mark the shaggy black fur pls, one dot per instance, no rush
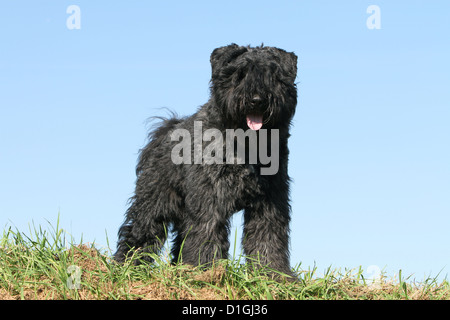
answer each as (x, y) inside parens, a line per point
(197, 200)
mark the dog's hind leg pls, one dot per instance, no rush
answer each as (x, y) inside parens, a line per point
(143, 229)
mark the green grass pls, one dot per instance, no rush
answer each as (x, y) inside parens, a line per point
(44, 265)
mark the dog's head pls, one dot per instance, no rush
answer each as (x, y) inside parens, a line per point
(254, 87)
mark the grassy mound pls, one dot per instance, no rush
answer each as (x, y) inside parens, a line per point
(42, 265)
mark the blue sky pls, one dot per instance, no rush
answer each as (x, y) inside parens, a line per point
(370, 156)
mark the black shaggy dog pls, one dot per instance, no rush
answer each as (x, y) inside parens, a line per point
(253, 90)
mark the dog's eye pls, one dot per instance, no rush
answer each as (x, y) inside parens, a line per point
(239, 75)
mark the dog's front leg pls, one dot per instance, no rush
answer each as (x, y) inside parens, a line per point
(266, 233)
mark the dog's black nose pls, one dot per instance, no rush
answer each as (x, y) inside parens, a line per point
(256, 100)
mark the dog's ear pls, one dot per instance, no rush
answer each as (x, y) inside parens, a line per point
(289, 64)
(220, 57)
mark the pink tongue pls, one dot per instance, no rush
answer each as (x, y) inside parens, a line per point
(254, 121)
